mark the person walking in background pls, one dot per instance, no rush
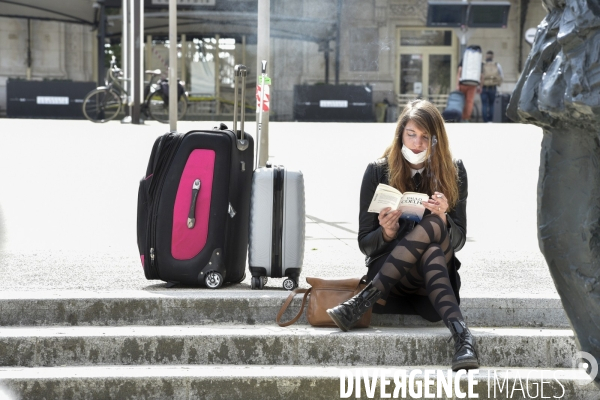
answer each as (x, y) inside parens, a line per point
(469, 77)
(492, 78)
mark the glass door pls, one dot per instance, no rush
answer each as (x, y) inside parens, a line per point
(440, 74)
(411, 74)
(426, 65)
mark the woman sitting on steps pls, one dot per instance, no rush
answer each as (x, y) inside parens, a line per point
(412, 266)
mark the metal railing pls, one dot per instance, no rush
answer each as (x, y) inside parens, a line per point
(439, 100)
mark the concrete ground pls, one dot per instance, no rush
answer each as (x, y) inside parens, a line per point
(68, 193)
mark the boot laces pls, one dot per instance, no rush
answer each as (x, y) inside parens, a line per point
(462, 337)
(354, 302)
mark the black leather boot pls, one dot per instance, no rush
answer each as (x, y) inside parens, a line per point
(465, 346)
(349, 312)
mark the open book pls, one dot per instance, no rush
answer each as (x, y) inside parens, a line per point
(409, 203)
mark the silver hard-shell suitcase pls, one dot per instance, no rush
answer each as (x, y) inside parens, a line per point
(277, 225)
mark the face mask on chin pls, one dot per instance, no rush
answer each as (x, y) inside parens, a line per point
(412, 157)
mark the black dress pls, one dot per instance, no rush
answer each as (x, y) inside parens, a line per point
(376, 250)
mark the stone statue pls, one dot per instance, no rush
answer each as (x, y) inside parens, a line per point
(559, 90)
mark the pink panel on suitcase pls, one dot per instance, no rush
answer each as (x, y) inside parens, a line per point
(187, 243)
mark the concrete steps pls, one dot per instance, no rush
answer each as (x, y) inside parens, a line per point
(203, 307)
(224, 382)
(224, 344)
(264, 345)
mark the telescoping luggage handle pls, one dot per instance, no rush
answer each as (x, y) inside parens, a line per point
(240, 71)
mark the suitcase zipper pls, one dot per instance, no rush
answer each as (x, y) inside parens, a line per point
(151, 199)
(159, 184)
(277, 234)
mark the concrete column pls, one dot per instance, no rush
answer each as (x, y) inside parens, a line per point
(244, 49)
(101, 40)
(28, 49)
(173, 65)
(338, 42)
(217, 77)
(327, 64)
(184, 58)
(140, 50)
(138, 77)
(263, 50)
(125, 60)
(131, 50)
(125, 44)
(95, 61)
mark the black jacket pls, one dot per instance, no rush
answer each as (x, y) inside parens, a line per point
(370, 235)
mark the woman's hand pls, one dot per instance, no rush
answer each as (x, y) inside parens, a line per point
(388, 220)
(438, 205)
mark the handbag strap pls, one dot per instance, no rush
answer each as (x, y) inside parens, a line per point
(287, 303)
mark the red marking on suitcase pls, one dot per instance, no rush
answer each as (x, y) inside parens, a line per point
(142, 257)
(187, 243)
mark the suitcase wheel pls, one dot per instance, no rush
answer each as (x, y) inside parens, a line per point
(290, 284)
(258, 282)
(213, 280)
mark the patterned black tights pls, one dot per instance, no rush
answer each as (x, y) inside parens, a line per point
(418, 265)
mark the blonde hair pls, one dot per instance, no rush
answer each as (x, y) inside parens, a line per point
(440, 174)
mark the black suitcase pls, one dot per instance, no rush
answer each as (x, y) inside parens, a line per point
(500, 105)
(454, 107)
(194, 204)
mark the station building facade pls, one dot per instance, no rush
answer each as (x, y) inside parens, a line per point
(383, 43)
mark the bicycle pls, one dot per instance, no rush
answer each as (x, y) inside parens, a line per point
(105, 102)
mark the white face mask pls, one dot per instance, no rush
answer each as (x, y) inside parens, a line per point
(412, 157)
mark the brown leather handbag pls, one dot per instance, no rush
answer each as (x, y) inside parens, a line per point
(324, 294)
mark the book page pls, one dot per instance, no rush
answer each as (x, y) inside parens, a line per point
(383, 186)
(385, 196)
